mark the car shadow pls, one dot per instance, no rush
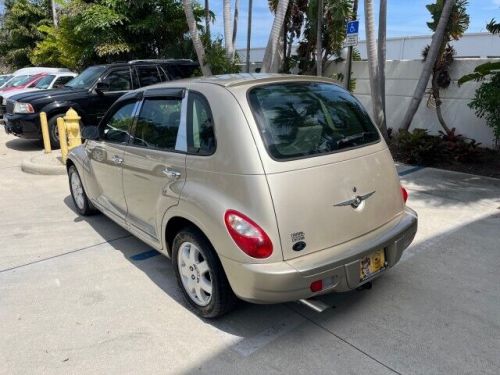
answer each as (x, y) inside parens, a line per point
(247, 320)
(24, 144)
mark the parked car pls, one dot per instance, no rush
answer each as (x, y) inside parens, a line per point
(42, 82)
(91, 94)
(270, 188)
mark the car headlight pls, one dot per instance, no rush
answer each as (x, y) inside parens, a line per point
(23, 108)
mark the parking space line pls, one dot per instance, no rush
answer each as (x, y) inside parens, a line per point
(249, 345)
(145, 255)
(343, 340)
(63, 254)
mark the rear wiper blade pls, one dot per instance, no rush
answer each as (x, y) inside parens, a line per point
(354, 137)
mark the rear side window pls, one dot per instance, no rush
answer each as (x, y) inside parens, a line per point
(148, 75)
(45, 82)
(200, 126)
(158, 124)
(304, 119)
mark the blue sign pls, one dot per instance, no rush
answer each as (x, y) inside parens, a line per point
(352, 27)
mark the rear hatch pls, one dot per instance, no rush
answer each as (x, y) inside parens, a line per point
(335, 180)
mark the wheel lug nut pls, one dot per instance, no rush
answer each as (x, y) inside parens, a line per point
(192, 277)
(191, 268)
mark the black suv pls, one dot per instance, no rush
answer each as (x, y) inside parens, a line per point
(91, 94)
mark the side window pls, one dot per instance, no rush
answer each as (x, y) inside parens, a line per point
(117, 127)
(148, 75)
(200, 126)
(158, 123)
(118, 80)
(61, 81)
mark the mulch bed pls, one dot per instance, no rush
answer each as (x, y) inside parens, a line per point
(487, 163)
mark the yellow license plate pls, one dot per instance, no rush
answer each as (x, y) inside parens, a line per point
(371, 264)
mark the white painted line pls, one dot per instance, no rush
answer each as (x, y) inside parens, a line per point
(250, 345)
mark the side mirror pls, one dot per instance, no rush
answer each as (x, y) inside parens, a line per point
(90, 132)
(102, 87)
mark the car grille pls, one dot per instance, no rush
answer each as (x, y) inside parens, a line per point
(10, 107)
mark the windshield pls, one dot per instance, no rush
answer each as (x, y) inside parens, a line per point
(18, 81)
(305, 119)
(87, 78)
(45, 82)
(4, 79)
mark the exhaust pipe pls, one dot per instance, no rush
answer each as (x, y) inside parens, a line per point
(314, 304)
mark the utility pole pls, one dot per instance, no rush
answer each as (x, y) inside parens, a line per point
(249, 34)
(54, 12)
(347, 78)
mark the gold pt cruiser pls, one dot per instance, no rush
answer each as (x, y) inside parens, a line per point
(267, 188)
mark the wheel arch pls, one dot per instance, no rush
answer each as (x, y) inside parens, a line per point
(174, 225)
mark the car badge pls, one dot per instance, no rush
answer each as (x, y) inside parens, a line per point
(356, 201)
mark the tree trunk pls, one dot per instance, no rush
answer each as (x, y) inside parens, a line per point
(228, 33)
(274, 37)
(382, 26)
(371, 49)
(235, 26)
(197, 44)
(429, 64)
(437, 98)
(319, 48)
(207, 19)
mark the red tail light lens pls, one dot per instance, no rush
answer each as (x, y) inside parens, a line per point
(404, 193)
(248, 235)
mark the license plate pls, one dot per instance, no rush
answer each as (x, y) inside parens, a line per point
(371, 264)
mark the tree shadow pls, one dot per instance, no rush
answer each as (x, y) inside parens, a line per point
(438, 187)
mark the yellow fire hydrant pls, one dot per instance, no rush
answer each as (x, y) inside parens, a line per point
(72, 121)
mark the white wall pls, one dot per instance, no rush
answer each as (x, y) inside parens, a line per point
(401, 80)
(478, 45)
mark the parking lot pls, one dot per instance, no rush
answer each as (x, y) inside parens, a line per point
(82, 296)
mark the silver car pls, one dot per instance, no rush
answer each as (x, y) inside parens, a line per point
(267, 188)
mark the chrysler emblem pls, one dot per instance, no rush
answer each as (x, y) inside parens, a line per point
(356, 201)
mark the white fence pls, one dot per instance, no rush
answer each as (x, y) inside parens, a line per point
(401, 80)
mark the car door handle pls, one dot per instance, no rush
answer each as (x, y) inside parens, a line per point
(117, 160)
(171, 173)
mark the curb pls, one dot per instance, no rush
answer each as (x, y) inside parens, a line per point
(45, 164)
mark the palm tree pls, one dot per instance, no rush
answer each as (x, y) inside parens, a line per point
(235, 26)
(228, 37)
(382, 26)
(207, 18)
(319, 37)
(432, 55)
(197, 44)
(271, 54)
(371, 49)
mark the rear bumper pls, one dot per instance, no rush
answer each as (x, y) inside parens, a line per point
(24, 126)
(338, 267)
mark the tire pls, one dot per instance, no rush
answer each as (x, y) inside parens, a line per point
(54, 132)
(200, 274)
(82, 203)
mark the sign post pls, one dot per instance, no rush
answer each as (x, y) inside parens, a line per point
(347, 76)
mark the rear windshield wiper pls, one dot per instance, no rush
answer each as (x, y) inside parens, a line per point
(355, 137)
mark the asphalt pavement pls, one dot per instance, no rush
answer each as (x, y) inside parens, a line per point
(83, 296)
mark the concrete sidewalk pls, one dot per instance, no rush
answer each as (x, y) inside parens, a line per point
(82, 296)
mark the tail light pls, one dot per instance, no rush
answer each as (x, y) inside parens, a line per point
(316, 286)
(248, 235)
(404, 193)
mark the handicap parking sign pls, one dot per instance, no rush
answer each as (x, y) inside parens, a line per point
(352, 27)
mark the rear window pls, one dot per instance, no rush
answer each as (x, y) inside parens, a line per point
(304, 119)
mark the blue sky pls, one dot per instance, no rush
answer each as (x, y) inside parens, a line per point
(404, 18)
